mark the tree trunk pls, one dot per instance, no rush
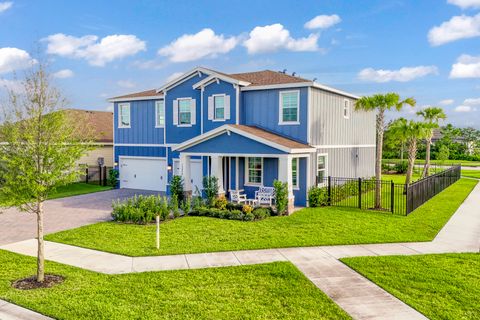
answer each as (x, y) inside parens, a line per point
(402, 150)
(412, 155)
(41, 245)
(378, 160)
(426, 168)
(157, 220)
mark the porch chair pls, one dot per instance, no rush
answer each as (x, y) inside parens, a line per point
(265, 195)
(237, 196)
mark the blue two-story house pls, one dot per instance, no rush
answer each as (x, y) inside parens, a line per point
(247, 129)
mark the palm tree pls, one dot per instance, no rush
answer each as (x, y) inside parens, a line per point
(432, 116)
(410, 131)
(381, 103)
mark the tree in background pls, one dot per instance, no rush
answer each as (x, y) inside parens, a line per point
(411, 131)
(431, 116)
(471, 137)
(381, 103)
(41, 145)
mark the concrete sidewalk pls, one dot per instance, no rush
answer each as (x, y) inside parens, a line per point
(358, 296)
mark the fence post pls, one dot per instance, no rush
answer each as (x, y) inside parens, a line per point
(86, 175)
(329, 190)
(360, 193)
(104, 176)
(392, 196)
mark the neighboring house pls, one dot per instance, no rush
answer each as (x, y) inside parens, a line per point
(247, 129)
(100, 124)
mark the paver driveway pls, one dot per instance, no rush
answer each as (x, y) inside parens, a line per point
(61, 214)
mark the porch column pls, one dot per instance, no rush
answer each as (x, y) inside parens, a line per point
(217, 171)
(285, 175)
(187, 180)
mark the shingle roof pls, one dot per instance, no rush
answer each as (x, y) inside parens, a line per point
(146, 93)
(270, 136)
(267, 77)
(100, 122)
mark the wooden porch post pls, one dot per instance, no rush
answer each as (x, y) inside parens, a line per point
(285, 175)
(217, 171)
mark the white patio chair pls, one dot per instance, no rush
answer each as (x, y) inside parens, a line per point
(265, 195)
(237, 196)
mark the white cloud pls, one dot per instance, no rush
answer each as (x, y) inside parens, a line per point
(63, 74)
(274, 37)
(97, 53)
(458, 27)
(4, 6)
(464, 4)
(13, 85)
(323, 22)
(466, 67)
(472, 102)
(173, 76)
(203, 44)
(403, 75)
(464, 109)
(446, 102)
(126, 84)
(12, 59)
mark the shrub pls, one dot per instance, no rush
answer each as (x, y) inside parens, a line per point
(139, 209)
(221, 202)
(113, 177)
(317, 197)
(401, 167)
(236, 215)
(281, 196)
(248, 216)
(174, 206)
(186, 205)
(197, 202)
(234, 206)
(261, 213)
(176, 187)
(210, 187)
(247, 209)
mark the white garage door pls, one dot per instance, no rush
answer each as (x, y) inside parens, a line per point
(143, 173)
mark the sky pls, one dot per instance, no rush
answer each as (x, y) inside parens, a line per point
(428, 49)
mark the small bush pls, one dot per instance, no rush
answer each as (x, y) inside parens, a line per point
(174, 206)
(317, 197)
(248, 216)
(281, 196)
(221, 202)
(210, 187)
(186, 206)
(113, 175)
(176, 187)
(140, 209)
(401, 167)
(247, 209)
(261, 213)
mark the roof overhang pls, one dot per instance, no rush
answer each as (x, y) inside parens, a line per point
(215, 77)
(126, 99)
(228, 128)
(184, 77)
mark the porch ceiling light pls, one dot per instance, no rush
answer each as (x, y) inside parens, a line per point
(169, 168)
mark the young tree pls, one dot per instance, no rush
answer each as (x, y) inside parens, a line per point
(381, 103)
(411, 131)
(431, 116)
(41, 145)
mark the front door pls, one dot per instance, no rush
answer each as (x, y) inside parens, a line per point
(196, 175)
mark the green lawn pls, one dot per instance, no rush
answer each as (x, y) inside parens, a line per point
(443, 286)
(464, 163)
(307, 227)
(73, 189)
(399, 178)
(471, 173)
(267, 291)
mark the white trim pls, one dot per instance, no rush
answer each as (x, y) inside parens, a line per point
(142, 157)
(330, 89)
(297, 186)
(120, 126)
(237, 105)
(185, 124)
(343, 146)
(347, 107)
(309, 113)
(278, 86)
(237, 178)
(214, 111)
(184, 77)
(156, 114)
(262, 155)
(201, 109)
(165, 126)
(316, 167)
(280, 108)
(126, 99)
(251, 184)
(215, 76)
(144, 145)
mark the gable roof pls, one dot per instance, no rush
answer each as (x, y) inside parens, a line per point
(100, 122)
(267, 77)
(260, 135)
(147, 94)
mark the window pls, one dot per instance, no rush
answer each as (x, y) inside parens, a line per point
(289, 105)
(295, 163)
(254, 170)
(184, 112)
(160, 114)
(346, 109)
(219, 107)
(124, 115)
(321, 168)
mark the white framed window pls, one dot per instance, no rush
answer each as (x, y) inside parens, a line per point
(124, 115)
(184, 112)
(289, 107)
(254, 171)
(219, 107)
(346, 109)
(160, 114)
(321, 168)
(295, 169)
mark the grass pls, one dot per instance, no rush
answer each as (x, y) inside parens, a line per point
(268, 291)
(443, 286)
(464, 163)
(73, 189)
(471, 173)
(399, 178)
(307, 227)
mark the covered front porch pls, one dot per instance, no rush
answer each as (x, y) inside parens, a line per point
(246, 158)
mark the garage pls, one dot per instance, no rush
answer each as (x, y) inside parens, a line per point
(144, 173)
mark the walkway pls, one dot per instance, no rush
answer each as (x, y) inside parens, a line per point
(358, 296)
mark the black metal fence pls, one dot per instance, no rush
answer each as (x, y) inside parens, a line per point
(397, 198)
(95, 175)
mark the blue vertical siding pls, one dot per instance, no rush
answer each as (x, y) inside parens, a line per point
(260, 108)
(139, 152)
(142, 124)
(219, 88)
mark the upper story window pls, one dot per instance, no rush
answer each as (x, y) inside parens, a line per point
(289, 107)
(346, 109)
(184, 112)
(295, 163)
(124, 115)
(254, 170)
(321, 168)
(160, 114)
(219, 107)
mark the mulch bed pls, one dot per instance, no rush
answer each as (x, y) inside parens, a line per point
(31, 282)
